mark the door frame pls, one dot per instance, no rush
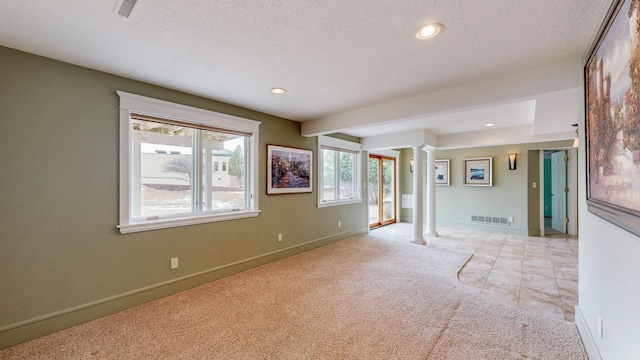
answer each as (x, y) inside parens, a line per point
(396, 156)
(559, 214)
(572, 194)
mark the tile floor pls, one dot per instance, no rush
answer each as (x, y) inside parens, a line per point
(538, 274)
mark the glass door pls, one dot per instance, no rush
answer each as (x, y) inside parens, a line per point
(382, 190)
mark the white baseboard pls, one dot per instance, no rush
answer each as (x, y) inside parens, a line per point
(587, 337)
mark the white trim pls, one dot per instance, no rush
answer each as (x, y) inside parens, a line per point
(338, 143)
(325, 141)
(587, 339)
(131, 103)
(388, 153)
(396, 155)
(165, 109)
(572, 195)
(338, 202)
(202, 219)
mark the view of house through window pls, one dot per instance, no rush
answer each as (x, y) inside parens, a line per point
(181, 165)
(179, 173)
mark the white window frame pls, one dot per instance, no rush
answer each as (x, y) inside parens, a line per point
(339, 144)
(132, 103)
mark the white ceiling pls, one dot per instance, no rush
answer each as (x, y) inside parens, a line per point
(334, 56)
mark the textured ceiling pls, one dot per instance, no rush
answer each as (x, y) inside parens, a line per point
(331, 55)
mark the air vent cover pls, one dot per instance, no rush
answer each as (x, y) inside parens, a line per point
(490, 219)
(124, 7)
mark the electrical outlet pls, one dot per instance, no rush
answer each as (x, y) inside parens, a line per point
(279, 237)
(600, 327)
(339, 223)
(174, 263)
(534, 184)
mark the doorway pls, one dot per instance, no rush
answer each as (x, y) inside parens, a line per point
(382, 190)
(558, 193)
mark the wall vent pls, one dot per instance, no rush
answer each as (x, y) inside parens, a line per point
(124, 7)
(490, 219)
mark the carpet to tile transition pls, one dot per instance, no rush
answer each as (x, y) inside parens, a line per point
(360, 298)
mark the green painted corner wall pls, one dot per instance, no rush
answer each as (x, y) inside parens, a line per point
(510, 195)
(533, 193)
(64, 262)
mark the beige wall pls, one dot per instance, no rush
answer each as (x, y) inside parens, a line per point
(63, 260)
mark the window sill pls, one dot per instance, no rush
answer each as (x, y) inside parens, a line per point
(165, 224)
(337, 203)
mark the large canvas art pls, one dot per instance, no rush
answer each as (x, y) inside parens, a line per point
(612, 80)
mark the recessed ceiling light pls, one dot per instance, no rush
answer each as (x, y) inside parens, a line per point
(489, 124)
(278, 91)
(429, 31)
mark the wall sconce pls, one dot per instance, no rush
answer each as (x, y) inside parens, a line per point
(411, 165)
(512, 161)
(576, 142)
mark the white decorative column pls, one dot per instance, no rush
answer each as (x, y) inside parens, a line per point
(431, 192)
(418, 195)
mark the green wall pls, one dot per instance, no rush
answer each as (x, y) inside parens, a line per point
(510, 196)
(533, 194)
(63, 260)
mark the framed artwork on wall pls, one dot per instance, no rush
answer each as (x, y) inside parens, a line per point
(442, 172)
(478, 171)
(613, 118)
(289, 170)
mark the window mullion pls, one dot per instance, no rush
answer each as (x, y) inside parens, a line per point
(321, 179)
(337, 174)
(196, 179)
(356, 179)
(207, 177)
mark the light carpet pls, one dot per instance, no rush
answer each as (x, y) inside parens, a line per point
(360, 298)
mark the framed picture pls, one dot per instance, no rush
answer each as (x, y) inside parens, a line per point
(442, 172)
(478, 171)
(289, 170)
(613, 118)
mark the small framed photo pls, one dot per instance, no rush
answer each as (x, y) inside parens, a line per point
(442, 172)
(289, 170)
(478, 171)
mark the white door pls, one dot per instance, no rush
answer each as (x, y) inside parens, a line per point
(558, 194)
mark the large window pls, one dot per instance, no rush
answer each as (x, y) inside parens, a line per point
(169, 158)
(339, 175)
